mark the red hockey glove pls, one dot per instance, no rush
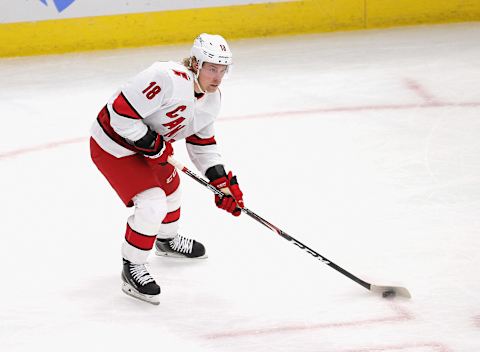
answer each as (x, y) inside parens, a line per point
(154, 148)
(233, 200)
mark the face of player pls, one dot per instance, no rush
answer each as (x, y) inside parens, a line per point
(211, 76)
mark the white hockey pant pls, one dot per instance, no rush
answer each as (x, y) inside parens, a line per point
(155, 215)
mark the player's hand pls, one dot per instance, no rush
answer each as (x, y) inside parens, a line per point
(233, 200)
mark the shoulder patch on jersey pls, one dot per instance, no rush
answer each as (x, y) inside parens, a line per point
(182, 74)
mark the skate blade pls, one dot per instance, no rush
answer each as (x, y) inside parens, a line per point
(129, 290)
(176, 255)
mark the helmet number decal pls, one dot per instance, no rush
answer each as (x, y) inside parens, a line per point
(223, 47)
(152, 90)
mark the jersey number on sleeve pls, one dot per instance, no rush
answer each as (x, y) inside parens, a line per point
(152, 90)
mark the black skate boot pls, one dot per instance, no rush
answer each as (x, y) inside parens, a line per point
(138, 283)
(179, 247)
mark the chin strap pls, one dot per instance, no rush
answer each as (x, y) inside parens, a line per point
(195, 75)
(198, 84)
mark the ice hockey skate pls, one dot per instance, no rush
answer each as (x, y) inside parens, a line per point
(138, 283)
(180, 247)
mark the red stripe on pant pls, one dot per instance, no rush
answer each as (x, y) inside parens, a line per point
(139, 240)
(172, 217)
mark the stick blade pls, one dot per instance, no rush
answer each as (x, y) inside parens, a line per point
(390, 291)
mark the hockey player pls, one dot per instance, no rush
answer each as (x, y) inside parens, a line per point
(132, 138)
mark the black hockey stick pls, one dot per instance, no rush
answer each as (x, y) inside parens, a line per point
(385, 291)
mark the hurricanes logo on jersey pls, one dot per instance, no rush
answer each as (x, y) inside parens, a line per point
(59, 4)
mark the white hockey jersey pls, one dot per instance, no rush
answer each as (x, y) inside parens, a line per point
(161, 97)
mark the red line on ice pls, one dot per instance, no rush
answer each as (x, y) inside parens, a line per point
(421, 92)
(476, 321)
(401, 316)
(51, 145)
(16, 152)
(349, 109)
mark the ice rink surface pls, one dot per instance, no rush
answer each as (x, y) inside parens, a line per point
(363, 145)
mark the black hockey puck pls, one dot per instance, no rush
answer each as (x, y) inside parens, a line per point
(388, 294)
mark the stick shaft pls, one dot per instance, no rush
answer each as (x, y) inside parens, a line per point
(272, 227)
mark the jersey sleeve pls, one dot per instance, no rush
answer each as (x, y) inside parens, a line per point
(203, 150)
(138, 98)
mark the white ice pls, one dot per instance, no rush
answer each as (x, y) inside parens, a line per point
(363, 145)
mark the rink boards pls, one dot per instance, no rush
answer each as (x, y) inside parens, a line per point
(48, 26)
